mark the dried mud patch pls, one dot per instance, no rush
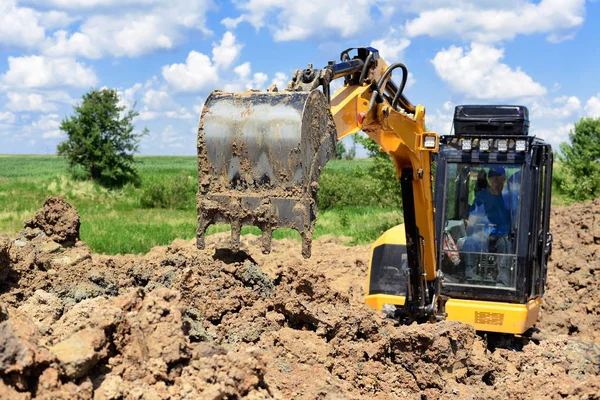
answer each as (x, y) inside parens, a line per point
(179, 323)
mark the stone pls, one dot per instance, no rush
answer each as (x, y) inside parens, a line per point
(43, 308)
(49, 247)
(80, 352)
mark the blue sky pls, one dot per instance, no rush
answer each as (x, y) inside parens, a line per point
(166, 56)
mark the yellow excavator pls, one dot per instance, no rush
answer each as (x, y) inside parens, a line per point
(475, 240)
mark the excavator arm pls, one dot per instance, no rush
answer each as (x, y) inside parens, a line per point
(260, 155)
(399, 129)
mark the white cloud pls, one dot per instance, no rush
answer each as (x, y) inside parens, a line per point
(592, 107)
(300, 20)
(46, 122)
(55, 19)
(136, 29)
(126, 36)
(479, 74)
(565, 107)
(127, 96)
(244, 81)
(157, 99)
(40, 71)
(243, 70)
(28, 102)
(410, 80)
(7, 117)
(555, 135)
(552, 119)
(78, 44)
(258, 81)
(226, 52)
(196, 74)
(55, 134)
(156, 102)
(88, 4)
(494, 21)
(19, 26)
(171, 139)
(198, 106)
(391, 46)
(47, 126)
(440, 121)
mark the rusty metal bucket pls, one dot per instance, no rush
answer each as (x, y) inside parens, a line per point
(259, 159)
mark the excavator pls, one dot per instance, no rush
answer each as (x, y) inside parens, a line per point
(475, 241)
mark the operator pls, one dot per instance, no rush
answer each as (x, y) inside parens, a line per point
(493, 204)
(489, 225)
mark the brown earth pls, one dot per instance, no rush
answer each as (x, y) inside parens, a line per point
(179, 323)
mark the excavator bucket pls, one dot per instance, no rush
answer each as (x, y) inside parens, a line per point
(259, 159)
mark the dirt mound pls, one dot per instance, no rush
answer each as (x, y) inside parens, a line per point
(572, 301)
(57, 219)
(178, 323)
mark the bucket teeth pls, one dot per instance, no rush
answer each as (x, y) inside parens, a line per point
(267, 234)
(259, 158)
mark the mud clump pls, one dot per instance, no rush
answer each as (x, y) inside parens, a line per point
(58, 220)
(183, 323)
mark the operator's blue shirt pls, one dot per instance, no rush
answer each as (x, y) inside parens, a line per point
(495, 210)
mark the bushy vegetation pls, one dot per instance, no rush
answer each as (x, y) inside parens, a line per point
(382, 172)
(579, 174)
(178, 193)
(356, 184)
(341, 152)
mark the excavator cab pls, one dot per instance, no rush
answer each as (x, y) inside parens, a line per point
(492, 197)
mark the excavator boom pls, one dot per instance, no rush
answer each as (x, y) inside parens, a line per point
(260, 156)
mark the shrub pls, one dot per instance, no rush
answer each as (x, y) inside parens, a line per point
(580, 175)
(177, 192)
(355, 186)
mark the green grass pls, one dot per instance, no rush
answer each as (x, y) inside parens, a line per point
(113, 221)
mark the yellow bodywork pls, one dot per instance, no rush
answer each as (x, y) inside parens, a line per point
(494, 316)
(395, 235)
(486, 316)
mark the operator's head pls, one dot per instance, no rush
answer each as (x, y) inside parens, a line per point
(497, 177)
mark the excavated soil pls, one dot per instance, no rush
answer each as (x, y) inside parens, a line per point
(179, 323)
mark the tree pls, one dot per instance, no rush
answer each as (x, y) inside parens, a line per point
(581, 161)
(373, 149)
(101, 138)
(350, 154)
(340, 149)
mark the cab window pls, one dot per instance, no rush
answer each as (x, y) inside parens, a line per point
(481, 223)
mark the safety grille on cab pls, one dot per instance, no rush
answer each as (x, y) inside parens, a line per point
(489, 318)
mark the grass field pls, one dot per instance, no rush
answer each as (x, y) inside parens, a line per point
(114, 221)
(121, 221)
